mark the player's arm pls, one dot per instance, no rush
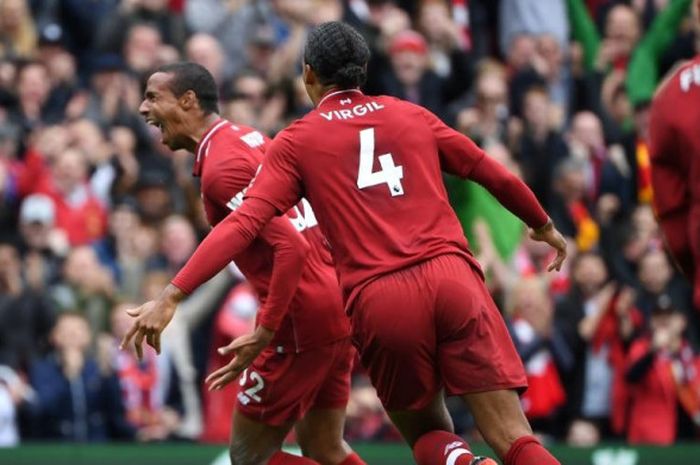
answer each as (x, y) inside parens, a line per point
(278, 189)
(230, 237)
(274, 190)
(290, 250)
(460, 156)
(289, 247)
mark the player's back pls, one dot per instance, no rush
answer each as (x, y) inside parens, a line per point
(372, 171)
(228, 160)
(675, 136)
(675, 156)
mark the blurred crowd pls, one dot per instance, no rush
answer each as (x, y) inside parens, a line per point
(97, 215)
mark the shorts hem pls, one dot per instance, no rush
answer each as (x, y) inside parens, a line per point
(518, 387)
(331, 405)
(256, 417)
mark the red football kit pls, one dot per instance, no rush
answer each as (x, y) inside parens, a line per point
(372, 168)
(227, 159)
(674, 135)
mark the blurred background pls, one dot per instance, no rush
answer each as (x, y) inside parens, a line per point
(96, 215)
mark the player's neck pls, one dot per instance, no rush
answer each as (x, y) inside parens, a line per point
(321, 91)
(328, 91)
(199, 129)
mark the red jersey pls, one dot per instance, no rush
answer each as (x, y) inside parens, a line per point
(674, 136)
(372, 169)
(227, 159)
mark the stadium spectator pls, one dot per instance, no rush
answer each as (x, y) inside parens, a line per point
(570, 207)
(79, 213)
(544, 350)
(658, 281)
(14, 392)
(485, 118)
(541, 146)
(251, 101)
(41, 244)
(607, 188)
(18, 37)
(177, 242)
(115, 29)
(75, 401)
(149, 387)
(410, 77)
(662, 370)
(33, 88)
(87, 288)
(532, 17)
(26, 317)
(579, 315)
(205, 50)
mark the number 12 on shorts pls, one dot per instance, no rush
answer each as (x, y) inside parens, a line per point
(390, 174)
(250, 393)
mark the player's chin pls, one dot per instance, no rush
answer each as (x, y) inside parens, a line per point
(167, 141)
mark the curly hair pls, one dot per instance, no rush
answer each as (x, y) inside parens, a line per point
(338, 54)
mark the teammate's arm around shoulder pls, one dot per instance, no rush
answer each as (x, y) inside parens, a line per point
(459, 155)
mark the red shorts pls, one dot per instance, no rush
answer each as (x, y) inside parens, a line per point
(433, 326)
(281, 387)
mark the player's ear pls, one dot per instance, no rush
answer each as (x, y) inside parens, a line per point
(188, 100)
(308, 75)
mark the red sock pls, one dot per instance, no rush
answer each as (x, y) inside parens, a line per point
(353, 459)
(441, 448)
(527, 450)
(283, 458)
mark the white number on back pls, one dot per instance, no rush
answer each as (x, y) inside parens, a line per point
(390, 174)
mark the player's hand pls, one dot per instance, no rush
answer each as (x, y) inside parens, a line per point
(549, 234)
(245, 348)
(151, 319)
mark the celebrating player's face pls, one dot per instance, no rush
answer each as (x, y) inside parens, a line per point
(161, 109)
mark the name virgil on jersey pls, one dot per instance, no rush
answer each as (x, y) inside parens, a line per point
(350, 113)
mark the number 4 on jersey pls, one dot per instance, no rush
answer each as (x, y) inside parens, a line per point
(390, 174)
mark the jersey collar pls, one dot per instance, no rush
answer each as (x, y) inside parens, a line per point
(203, 145)
(332, 94)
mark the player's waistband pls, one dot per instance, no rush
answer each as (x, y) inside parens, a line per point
(352, 295)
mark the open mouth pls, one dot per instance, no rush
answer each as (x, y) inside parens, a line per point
(155, 123)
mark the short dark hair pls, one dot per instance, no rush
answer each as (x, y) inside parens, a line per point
(194, 77)
(338, 54)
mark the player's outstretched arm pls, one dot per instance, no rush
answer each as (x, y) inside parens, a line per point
(290, 250)
(549, 234)
(460, 156)
(224, 242)
(514, 194)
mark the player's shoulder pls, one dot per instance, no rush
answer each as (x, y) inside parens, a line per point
(297, 130)
(233, 146)
(240, 134)
(682, 78)
(407, 111)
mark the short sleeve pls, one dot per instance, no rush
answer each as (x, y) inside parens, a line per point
(458, 153)
(278, 181)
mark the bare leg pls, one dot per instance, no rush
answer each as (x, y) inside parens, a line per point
(320, 435)
(499, 417)
(412, 424)
(252, 442)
